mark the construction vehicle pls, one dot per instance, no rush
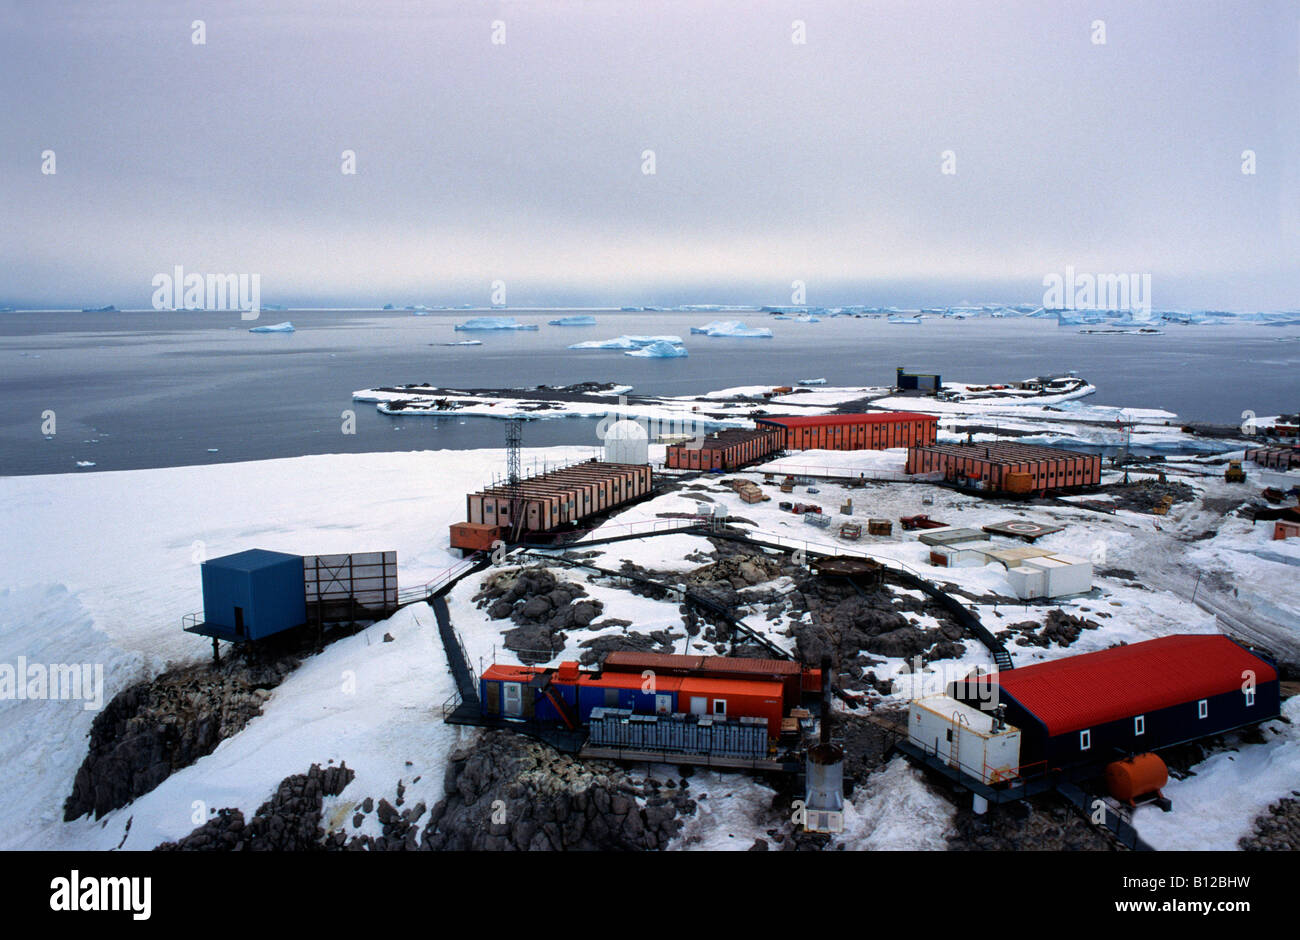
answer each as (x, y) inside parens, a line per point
(1234, 473)
(1162, 508)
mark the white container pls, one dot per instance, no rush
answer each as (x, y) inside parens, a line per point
(1050, 576)
(964, 737)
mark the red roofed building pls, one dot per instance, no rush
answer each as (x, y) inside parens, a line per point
(1130, 699)
(877, 430)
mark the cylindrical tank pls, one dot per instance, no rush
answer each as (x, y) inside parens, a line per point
(627, 442)
(824, 790)
(1135, 777)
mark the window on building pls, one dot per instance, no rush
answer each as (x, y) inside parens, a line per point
(1140, 725)
(1250, 697)
(719, 706)
(1085, 740)
(1203, 708)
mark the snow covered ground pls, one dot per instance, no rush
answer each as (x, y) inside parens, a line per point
(100, 567)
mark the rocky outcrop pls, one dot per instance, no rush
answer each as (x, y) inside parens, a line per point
(288, 822)
(853, 628)
(1040, 824)
(657, 641)
(1278, 830)
(1059, 628)
(506, 792)
(154, 728)
(542, 606)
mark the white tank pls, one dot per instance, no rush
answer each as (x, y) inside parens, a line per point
(627, 442)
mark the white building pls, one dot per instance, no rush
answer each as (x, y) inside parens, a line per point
(963, 737)
(1050, 576)
(627, 442)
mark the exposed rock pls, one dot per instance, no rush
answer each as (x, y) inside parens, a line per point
(288, 822)
(154, 728)
(541, 605)
(506, 792)
(1277, 830)
(1037, 824)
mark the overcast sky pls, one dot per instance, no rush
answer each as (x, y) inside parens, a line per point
(775, 161)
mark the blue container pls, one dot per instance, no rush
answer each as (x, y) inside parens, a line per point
(253, 594)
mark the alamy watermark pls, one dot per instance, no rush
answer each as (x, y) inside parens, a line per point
(194, 291)
(1084, 291)
(82, 682)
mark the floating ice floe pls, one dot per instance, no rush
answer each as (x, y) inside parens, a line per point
(627, 342)
(658, 350)
(495, 323)
(573, 321)
(466, 342)
(811, 382)
(85, 463)
(898, 319)
(732, 328)
(285, 327)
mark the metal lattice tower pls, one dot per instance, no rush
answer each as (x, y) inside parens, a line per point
(514, 442)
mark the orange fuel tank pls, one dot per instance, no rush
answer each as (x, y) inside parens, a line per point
(1133, 778)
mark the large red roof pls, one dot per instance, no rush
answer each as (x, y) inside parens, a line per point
(1092, 689)
(874, 417)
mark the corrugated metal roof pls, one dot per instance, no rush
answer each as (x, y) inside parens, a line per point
(1092, 689)
(875, 417)
(773, 667)
(626, 660)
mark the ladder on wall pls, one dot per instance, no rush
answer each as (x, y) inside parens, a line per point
(954, 752)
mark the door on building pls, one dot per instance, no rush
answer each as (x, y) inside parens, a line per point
(239, 621)
(512, 692)
(699, 705)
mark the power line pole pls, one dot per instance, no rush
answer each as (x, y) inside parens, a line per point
(514, 443)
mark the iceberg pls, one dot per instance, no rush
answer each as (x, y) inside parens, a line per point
(495, 323)
(658, 350)
(897, 319)
(285, 327)
(573, 321)
(466, 342)
(811, 382)
(627, 342)
(732, 328)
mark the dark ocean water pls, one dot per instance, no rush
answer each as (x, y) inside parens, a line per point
(155, 389)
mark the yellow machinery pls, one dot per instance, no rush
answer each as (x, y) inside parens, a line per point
(1234, 473)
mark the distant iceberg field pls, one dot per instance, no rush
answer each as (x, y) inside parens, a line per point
(732, 328)
(495, 323)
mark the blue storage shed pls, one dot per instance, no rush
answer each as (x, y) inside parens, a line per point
(253, 594)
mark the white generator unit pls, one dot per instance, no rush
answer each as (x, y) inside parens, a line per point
(1050, 576)
(968, 739)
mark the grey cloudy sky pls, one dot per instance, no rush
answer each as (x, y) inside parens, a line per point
(775, 161)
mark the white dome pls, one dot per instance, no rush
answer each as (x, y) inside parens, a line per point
(626, 430)
(627, 442)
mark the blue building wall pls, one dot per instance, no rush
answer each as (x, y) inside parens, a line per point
(268, 587)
